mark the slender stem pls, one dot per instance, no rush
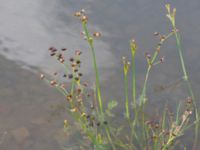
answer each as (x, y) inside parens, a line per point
(143, 95)
(134, 91)
(134, 82)
(90, 41)
(186, 79)
(133, 48)
(185, 76)
(109, 138)
(126, 96)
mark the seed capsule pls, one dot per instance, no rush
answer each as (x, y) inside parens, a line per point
(63, 49)
(76, 78)
(77, 14)
(73, 65)
(147, 55)
(85, 84)
(82, 11)
(80, 74)
(59, 56)
(53, 82)
(78, 52)
(82, 33)
(83, 114)
(189, 100)
(162, 59)
(78, 91)
(74, 110)
(69, 97)
(156, 126)
(97, 34)
(51, 48)
(71, 59)
(52, 54)
(61, 60)
(98, 123)
(105, 122)
(75, 70)
(70, 76)
(78, 62)
(84, 18)
(42, 76)
(156, 34)
(66, 123)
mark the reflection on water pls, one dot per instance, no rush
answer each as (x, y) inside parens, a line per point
(29, 27)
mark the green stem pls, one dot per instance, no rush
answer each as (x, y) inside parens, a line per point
(143, 95)
(134, 88)
(126, 96)
(185, 76)
(90, 41)
(186, 79)
(109, 138)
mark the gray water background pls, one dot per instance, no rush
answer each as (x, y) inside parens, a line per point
(33, 111)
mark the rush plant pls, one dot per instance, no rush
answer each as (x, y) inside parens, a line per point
(137, 130)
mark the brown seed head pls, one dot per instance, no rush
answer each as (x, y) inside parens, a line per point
(73, 65)
(189, 100)
(74, 109)
(83, 114)
(63, 49)
(85, 84)
(82, 11)
(82, 33)
(162, 59)
(71, 59)
(84, 18)
(80, 74)
(75, 70)
(70, 76)
(77, 14)
(42, 76)
(156, 125)
(147, 55)
(61, 60)
(156, 34)
(78, 62)
(162, 38)
(78, 52)
(78, 90)
(52, 54)
(76, 78)
(51, 48)
(53, 82)
(124, 60)
(69, 97)
(97, 34)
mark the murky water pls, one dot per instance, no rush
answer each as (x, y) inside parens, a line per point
(28, 28)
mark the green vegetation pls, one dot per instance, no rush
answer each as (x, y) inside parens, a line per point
(137, 131)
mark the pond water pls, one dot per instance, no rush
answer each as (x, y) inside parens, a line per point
(31, 112)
